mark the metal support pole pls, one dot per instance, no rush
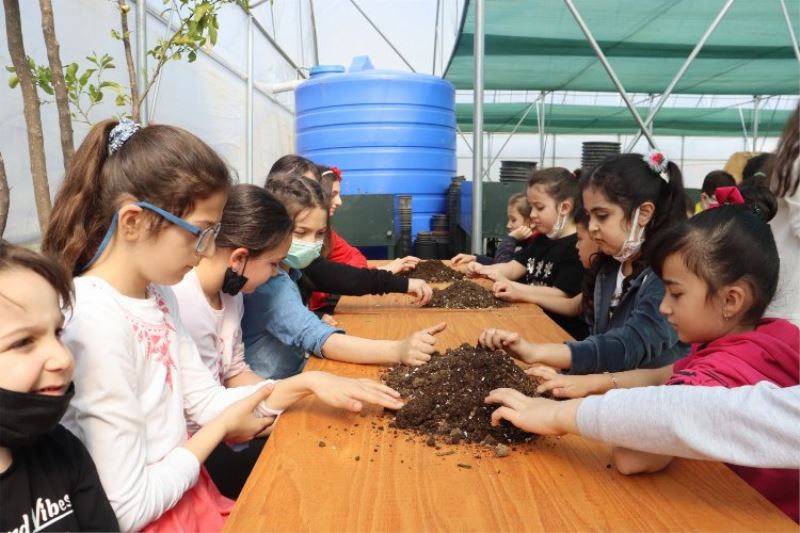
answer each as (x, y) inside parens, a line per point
(679, 75)
(314, 29)
(477, 135)
(249, 144)
(756, 102)
(540, 125)
(436, 36)
(792, 36)
(141, 54)
(611, 74)
(396, 51)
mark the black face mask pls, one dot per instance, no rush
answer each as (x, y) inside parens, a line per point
(25, 416)
(233, 281)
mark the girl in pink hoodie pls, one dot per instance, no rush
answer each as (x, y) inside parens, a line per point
(720, 271)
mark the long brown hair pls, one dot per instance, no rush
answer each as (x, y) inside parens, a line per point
(164, 165)
(785, 176)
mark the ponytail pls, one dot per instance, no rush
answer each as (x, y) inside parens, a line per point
(164, 165)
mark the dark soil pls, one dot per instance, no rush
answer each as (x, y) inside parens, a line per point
(433, 271)
(464, 294)
(445, 396)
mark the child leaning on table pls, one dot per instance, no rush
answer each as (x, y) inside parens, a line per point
(720, 270)
(560, 304)
(630, 199)
(279, 331)
(518, 211)
(48, 481)
(254, 238)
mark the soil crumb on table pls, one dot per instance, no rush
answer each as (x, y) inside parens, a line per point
(464, 294)
(445, 396)
(433, 271)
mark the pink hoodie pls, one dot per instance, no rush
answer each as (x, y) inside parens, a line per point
(771, 353)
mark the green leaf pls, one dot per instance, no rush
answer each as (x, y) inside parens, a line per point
(46, 87)
(70, 71)
(11, 69)
(13, 81)
(192, 56)
(212, 34)
(116, 35)
(84, 79)
(200, 12)
(120, 100)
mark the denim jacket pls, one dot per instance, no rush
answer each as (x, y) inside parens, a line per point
(278, 330)
(636, 336)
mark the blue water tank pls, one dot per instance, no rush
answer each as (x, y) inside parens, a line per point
(389, 132)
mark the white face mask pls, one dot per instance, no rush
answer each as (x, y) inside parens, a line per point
(634, 242)
(558, 227)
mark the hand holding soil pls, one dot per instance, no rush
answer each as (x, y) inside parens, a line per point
(417, 349)
(422, 291)
(508, 341)
(535, 415)
(401, 264)
(506, 290)
(564, 386)
(462, 259)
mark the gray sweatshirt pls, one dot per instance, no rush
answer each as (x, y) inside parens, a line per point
(750, 426)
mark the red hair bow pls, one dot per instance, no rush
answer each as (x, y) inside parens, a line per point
(729, 195)
(337, 173)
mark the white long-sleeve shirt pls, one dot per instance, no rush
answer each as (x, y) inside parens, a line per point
(755, 426)
(786, 230)
(138, 377)
(216, 332)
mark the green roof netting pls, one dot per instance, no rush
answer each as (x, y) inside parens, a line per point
(583, 119)
(537, 45)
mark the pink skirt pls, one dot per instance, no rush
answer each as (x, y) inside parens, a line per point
(202, 508)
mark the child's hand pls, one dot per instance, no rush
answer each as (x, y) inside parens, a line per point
(535, 415)
(417, 349)
(522, 233)
(508, 341)
(328, 319)
(506, 290)
(462, 259)
(401, 264)
(350, 393)
(475, 269)
(421, 291)
(563, 386)
(240, 422)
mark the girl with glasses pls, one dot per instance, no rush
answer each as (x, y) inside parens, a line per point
(137, 210)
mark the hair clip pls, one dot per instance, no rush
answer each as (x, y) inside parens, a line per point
(658, 163)
(121, 133)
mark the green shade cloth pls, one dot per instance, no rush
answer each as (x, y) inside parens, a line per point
(537, 45)
(586, 119)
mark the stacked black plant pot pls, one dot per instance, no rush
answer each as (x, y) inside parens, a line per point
(404, 243)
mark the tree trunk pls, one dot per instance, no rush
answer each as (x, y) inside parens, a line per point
(59, 86)
(5, 197)
(33, 118)
(124, 8)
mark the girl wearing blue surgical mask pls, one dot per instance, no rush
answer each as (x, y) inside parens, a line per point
(630, 198)
(279, 331)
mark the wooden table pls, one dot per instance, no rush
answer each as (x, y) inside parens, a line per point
(367, 479)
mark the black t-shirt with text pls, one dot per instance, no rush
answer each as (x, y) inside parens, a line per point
(53, 486)
(555, 263)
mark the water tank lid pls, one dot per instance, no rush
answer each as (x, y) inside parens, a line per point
(360, 64)
(321, 70)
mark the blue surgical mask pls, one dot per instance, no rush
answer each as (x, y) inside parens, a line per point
(302, 253)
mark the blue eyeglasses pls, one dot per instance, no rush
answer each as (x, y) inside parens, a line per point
(204, 236)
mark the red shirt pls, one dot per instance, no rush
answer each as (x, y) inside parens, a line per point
(341, 252)
(771, 352)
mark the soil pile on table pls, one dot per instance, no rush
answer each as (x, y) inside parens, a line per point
(433, 272)
(445, 396)
(464, 294)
